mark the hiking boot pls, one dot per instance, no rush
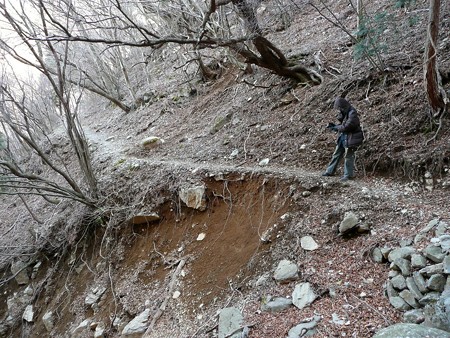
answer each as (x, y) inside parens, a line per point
(346, 178)
(327, 174)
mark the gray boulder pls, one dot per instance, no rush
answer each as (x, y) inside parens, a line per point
(286, 271)
(137, 326)
(349, 222)
(230, 323)
(411, 331)
(303, 295)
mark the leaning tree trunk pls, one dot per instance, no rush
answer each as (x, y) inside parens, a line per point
(433, 86)
(270, 56)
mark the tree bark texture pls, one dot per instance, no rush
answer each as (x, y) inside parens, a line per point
(433, 87)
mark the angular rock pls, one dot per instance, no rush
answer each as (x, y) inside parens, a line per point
(19, 269)
(441, 229)
(404, 252)
(421, 283)
(137, 325)
(437, 314)
(399, 303)
(403, 265)
(431, 297)
(393, 273)
(230, 322)
(399, 282)
(445, 243)
(411, 285)
(151, 141)
(94, 296)
(194, 197)
(349, 222)
(277, 304)
(434, 253)
(415, 316)
(305, 329)
(28, 314)
(436, 282)
(408, 297)
(446, 263)
(308, 243)
(377, 255)
(80, 328)
(286, 271)
(390, 291)
(303, 295)
(418, 261)
(430, 226)
(220, 121)
(48, 320)
(432, 269)
(403, 330)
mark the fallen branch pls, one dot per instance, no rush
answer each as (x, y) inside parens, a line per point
(163, 305)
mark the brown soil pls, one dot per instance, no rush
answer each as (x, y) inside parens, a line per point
(271, 118)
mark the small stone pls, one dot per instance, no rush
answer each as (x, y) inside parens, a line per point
(230, 321)
(434, 253)
(80, 328)
(431, 297)
(399, 282)
(399, 303)
(19, 269)
(418, 261)
(420, 282)
(436, 282)
(390, 291)
(405, 242)
(411, 285)
(408, 297)
(308, 243)
(306, 193)
(377, 256)
(176, 294)
(415, 316)
(151, 141)
(264, 162)
(303, 295)
(276, 305)
(28, 314)
(349, 222)
(441, 229)
(48, 321)
(393, 273)
(304, 329)
(446, 264)
(445, 243)
(201, 236)
(432, 269)
(404, 265)
(404, 252)
(286, 271)
(137, 325)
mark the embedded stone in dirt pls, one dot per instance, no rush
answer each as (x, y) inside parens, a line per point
(286, 271)
(412, 331)
(308, 243)
(144, 218)
(194, 197)
(349, 222)
(230, 323)
(303, 295)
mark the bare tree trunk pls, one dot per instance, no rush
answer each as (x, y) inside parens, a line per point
(433, 86)
(270, 56)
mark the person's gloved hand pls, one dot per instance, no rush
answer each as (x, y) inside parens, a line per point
(331, 126)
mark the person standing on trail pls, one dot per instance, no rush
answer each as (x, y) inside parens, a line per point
(350, 136)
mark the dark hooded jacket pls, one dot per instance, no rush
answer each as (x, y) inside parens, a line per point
(350, 128)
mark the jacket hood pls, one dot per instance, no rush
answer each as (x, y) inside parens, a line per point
(342, 104)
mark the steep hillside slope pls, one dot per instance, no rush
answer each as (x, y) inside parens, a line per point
(257, 144)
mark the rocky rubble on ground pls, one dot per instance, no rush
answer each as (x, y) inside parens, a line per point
(419, 276)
